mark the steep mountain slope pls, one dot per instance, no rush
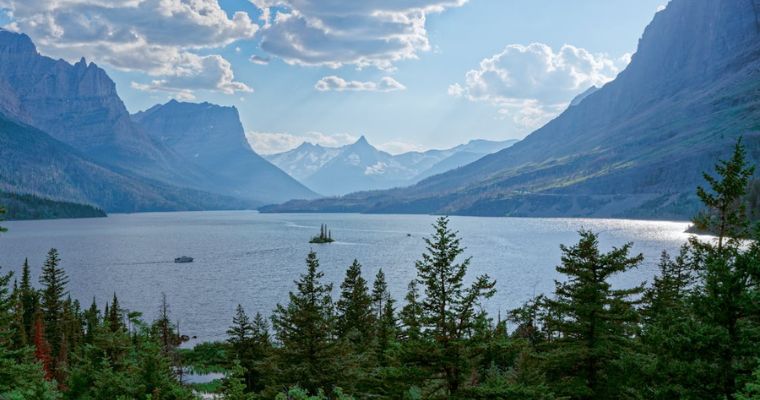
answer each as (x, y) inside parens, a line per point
(212, 138)
(634, 148)
(78, 105)
(360, 166)
(33, 162)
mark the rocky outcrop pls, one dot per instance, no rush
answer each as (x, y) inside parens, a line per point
(211, 138)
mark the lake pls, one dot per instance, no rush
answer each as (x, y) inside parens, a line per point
(252, 259)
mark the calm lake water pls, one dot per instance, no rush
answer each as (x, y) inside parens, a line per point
(252, 259)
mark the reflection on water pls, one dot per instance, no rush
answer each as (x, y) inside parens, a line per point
(252, 259)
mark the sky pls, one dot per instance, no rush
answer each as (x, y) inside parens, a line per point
(407, 74)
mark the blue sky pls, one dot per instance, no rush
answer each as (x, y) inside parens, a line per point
(408, 74)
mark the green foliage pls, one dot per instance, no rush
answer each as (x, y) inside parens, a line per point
(591, 323)
(447, 312)
(28, 206)
(305, 329)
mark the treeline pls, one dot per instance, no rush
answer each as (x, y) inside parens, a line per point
(693, 333)
(28, 206)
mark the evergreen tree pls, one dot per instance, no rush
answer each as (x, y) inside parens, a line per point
(593, 321)
(729, 271)
(385, 330)
(306, 330)
(53, 280)
(448, 308)
(115, 315)
(28, 297)
(725, 212)
(411, 313)
(92, 321)
(355, 318)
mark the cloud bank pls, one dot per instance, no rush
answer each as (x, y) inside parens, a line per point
(532, 84)
(334, 33)
(338, 84)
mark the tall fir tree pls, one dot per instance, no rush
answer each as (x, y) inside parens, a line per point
(448, 307)
(729, 272)
(593, 321)
(29, 298)
(53, 280)
(306, 330)
(354, 312)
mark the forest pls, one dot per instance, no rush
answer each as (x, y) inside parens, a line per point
(692, 333)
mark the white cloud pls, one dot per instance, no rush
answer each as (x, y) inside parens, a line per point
(334, 33)
(158, 37)
(531, 84)
(200, 73)
(338, 84)
(270, 142)
(259, 60)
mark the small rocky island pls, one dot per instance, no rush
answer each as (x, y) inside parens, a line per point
(325, 236)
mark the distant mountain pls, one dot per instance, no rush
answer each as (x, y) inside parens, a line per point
(634, 148)
(212, 138)
(32, 162)
(361, 166)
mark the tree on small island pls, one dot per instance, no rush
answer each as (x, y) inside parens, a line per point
(325, 236)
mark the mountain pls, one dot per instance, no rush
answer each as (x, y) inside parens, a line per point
(32, 162)
(361, 166)
(304, 160)
(634, 148)
(212, 138)
(78, 105)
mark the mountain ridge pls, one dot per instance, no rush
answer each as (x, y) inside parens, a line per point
(634, 148)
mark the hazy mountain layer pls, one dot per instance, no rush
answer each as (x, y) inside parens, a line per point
(361, 166)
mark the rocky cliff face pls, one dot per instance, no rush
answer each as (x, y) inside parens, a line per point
(76, 104)
(634, 148)
(212, 138)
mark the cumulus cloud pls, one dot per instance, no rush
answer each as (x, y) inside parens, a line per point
(158, 37)
(334, 33)
(533, 83)
(338, 84)
(271, 142)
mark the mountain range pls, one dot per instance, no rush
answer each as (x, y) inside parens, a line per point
(67, 135)
(361, 166)
(635, 147)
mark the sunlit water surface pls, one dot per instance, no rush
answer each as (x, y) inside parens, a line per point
(252, 259)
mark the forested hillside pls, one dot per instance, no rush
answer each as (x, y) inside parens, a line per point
(27, 206)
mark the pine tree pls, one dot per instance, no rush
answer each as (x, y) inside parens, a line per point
(29, 299)
(354, 319)
(41, 346)
(729, 271)
(448, 308)
(411, 313)
(2, 213)
(115, 316)
(92, 322)
(306, 329)
(386, 330)
(725, 212)
(53, 280)
(593, 321)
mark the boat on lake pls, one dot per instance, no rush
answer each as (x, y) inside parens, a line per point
(183, 259)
